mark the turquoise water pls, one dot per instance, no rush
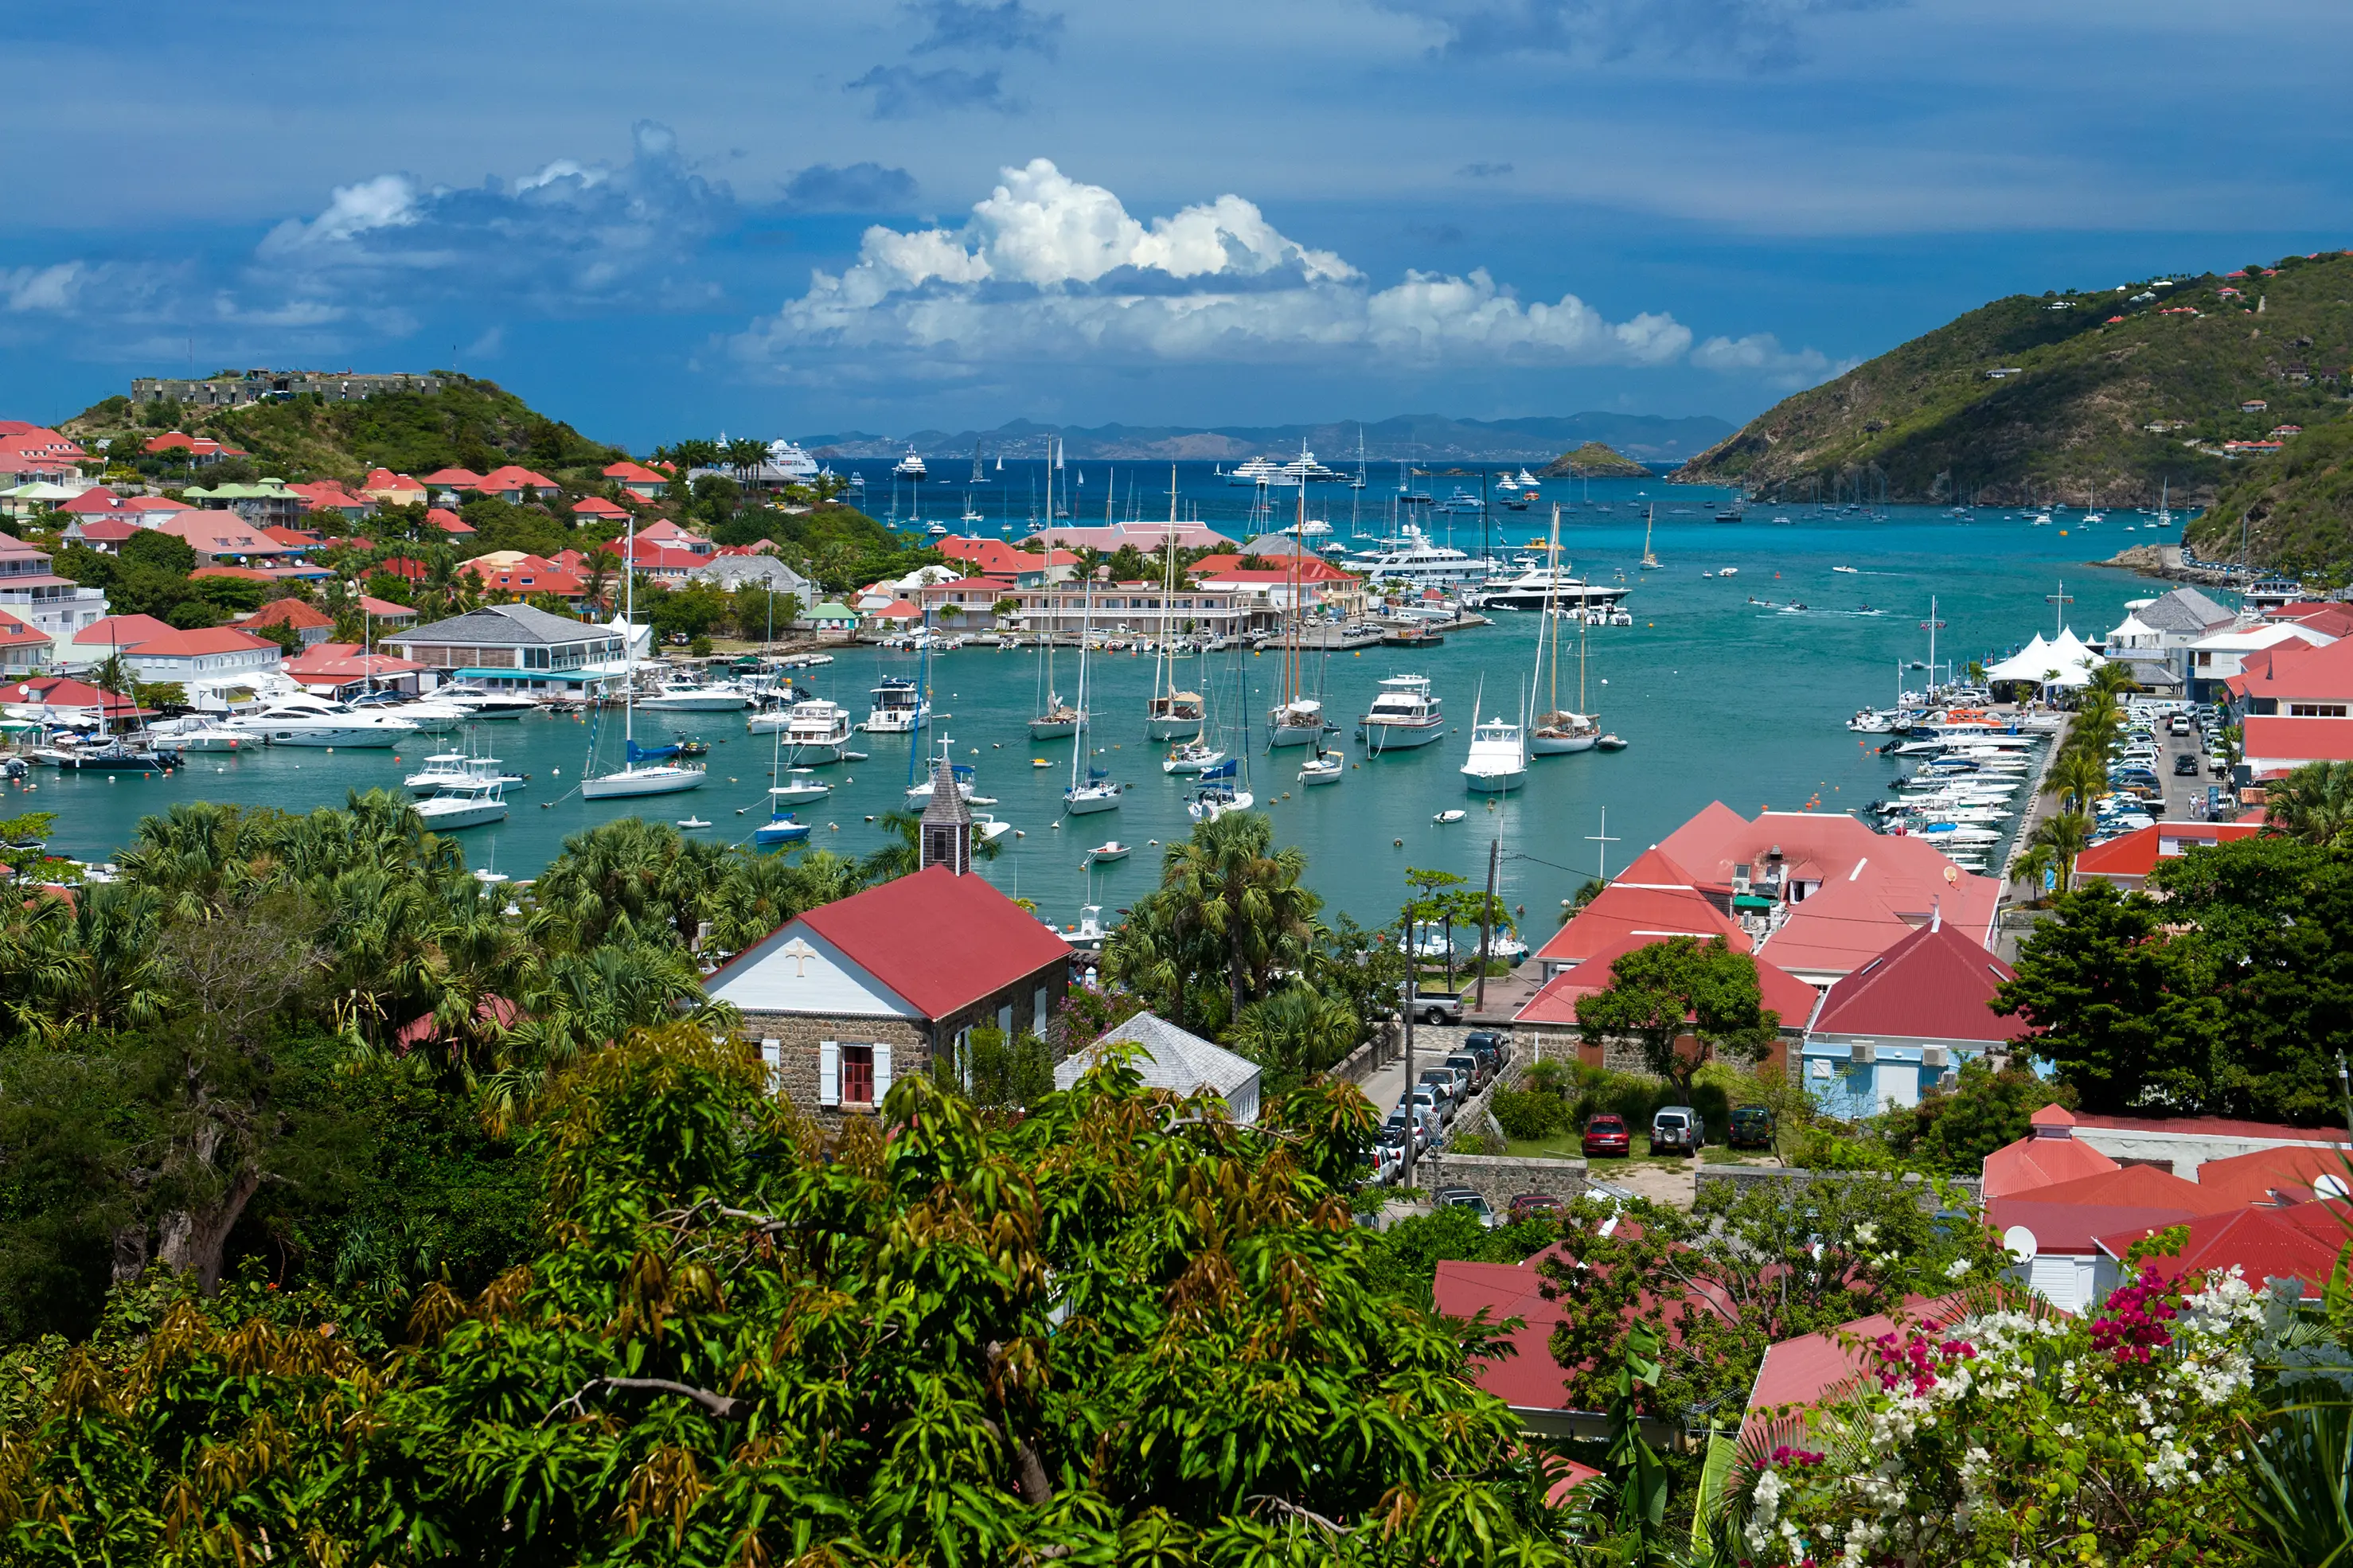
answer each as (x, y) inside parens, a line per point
(1718, 698)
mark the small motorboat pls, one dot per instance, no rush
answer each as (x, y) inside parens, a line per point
(780, 829)
(1193, 757)
(804, 786)
(1727, 570)
(1114, 850)
(1321, 771)
(1849, 571)
(691, 823)
(1452, 815)
(1610, 744)
(1040, 763)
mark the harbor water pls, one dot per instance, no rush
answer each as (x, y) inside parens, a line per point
(1723, 687)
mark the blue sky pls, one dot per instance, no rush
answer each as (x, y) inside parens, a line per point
(657, 221)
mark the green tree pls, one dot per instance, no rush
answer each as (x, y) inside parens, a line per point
(1229, 902)
(2120, 1011)
(1950, 1132)
(2313, 803)
(1294, 1032)
(1077, 1335)
(164, 552)
(1663, 991)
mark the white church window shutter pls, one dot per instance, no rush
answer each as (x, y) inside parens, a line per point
(772, 1057)
(881, 1071)
(829, 1072)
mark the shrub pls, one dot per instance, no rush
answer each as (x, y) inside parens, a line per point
(1528, 1114)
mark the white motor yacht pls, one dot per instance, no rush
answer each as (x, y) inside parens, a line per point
(698, 699)
(899, 709)
(1415, 560)
(202, 732)
(476, 703)
(1404, 714)
(432, 715)
(815, 730)
(1194, 757)
(446, 770)
(314, 721)
(464, 805)
(1541, 588)
(800, 785)
(1499, 757)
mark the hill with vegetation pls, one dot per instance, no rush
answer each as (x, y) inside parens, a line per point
(1594, 460)
(2079, 396)
(2292, 511)
(468, 423)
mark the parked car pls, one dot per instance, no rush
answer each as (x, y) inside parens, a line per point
(1465, 1198)
(1677, 1129)
(1388, 1157)
(1533, 1205)
(1437, 1007)
(1605, 1134)
(2185, 766)
(1476, 1071)
(1456, 1079)
(1489, 1040)
(1425, 1130)
(1434, 1099)
(2178, 724)
(1751, 1127)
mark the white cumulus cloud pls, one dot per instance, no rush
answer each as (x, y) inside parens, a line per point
(1049, 265)
(1760, 355)
(48, 289)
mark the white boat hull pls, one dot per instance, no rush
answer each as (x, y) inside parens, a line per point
(715, 702)
(1312, 776)
(470, 814)
(1400, 737)
(1491, 784)
(1085, 803)
(1210, 810)
(1295, 734)
(1052, 729)
(356, 738)
(212, 740)
(1560, 746)
(663, 779)
(894, 723)
(1192, 765)
(1172, 729)
(810, 753)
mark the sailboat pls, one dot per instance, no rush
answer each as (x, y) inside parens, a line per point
(1650, 517)
(1170, 714)
(782, 827)
(1055, 717)
(1093, 790)
(1298, 719)
(979, 475)
(1224, 786)
(644, 773)
(1558, 730)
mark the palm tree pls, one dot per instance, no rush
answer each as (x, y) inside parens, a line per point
(900, 855)
(1294, 1032)
(2078, 778)
(2314, 803)
(1243, 899)
(743, 454)
(2058, 841)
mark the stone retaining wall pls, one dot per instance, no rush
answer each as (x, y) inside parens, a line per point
(1741, 1178)
(1500, 1178)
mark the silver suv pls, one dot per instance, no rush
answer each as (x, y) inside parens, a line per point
(1677, 1129)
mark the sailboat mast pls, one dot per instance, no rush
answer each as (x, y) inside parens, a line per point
(1083, 734)
(629, 631)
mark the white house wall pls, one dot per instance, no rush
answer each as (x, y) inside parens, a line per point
(825, 981)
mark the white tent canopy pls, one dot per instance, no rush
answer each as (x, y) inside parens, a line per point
(2065, 662)
(2032, 662)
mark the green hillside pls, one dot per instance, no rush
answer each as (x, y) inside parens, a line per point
(2293, 511)
(1596, 460)
(470, 424)
(1930, 420)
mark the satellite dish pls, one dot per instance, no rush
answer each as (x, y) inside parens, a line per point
(2020, 1243)
(2331, 1188)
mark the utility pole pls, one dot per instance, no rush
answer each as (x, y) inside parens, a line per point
(1405, 1013)
(1487, 918)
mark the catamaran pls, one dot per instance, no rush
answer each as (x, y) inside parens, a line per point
(641, 773)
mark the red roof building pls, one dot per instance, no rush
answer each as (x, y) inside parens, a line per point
(848, 994)
(597, 509)
(57, 699)
(197, 448)
(996, 558)
(312, 626)
(2270, 745)
(222, 537)
(663, 562)
(204, 654)
(2047, 1156)
(512, 572)
(106, 535)
(453, 478)
(448, 522)
(1553, 1008)
(663, 532)
(2127, 861)
(2299, 1243)
(112, 632)
(2061, 1225)
(513, 483)
(637, 479)
(2291, 1173)
(392, 490)
(335, 667)
(1651, 899)
(1813, 1370)
(22, 647)
(1907, 1021)
(386, 613)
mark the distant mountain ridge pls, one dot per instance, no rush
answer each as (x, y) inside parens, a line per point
(1424, 438)
(2109, 397)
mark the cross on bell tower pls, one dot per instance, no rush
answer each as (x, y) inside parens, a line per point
(944, 837)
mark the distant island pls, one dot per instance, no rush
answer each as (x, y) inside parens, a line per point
(2175, 387)
(1598, 461)
(1407, 437)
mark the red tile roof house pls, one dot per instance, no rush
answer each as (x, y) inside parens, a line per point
(516, 485)
(663, 562)
(451, 480)
(209, 654)
(2299, 1243)
(312, 625)
(1907, 1021)
(637, 479)
(393, 489)
(222, 538)
(22, 647)
(1814, 1370)
(2066, 1144)
(56, 699)
(335, 668)
(326, 498)
(663, 532)
(2064, 1264)
(1549, 1017)
(2127, 862)
(1824, 894)
(195, 449)
(448, 522)
(512, 572)
(1303, 581)
(847, 996)
(597, 509)
(387, 614)
(104, 534)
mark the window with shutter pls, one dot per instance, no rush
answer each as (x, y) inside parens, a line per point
(829, 1073)
(882, 1073)
(772, 1057)
(1038, 1011)
(856, 1075)
(1005, 1020)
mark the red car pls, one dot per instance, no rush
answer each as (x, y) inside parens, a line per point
(1533, 1205)
(1607, 1134)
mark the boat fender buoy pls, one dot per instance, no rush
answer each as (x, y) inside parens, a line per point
(1400, 843)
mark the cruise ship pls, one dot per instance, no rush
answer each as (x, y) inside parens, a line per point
(1534, 588)
(1414, 558)
(909, 467)
(787, 459)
